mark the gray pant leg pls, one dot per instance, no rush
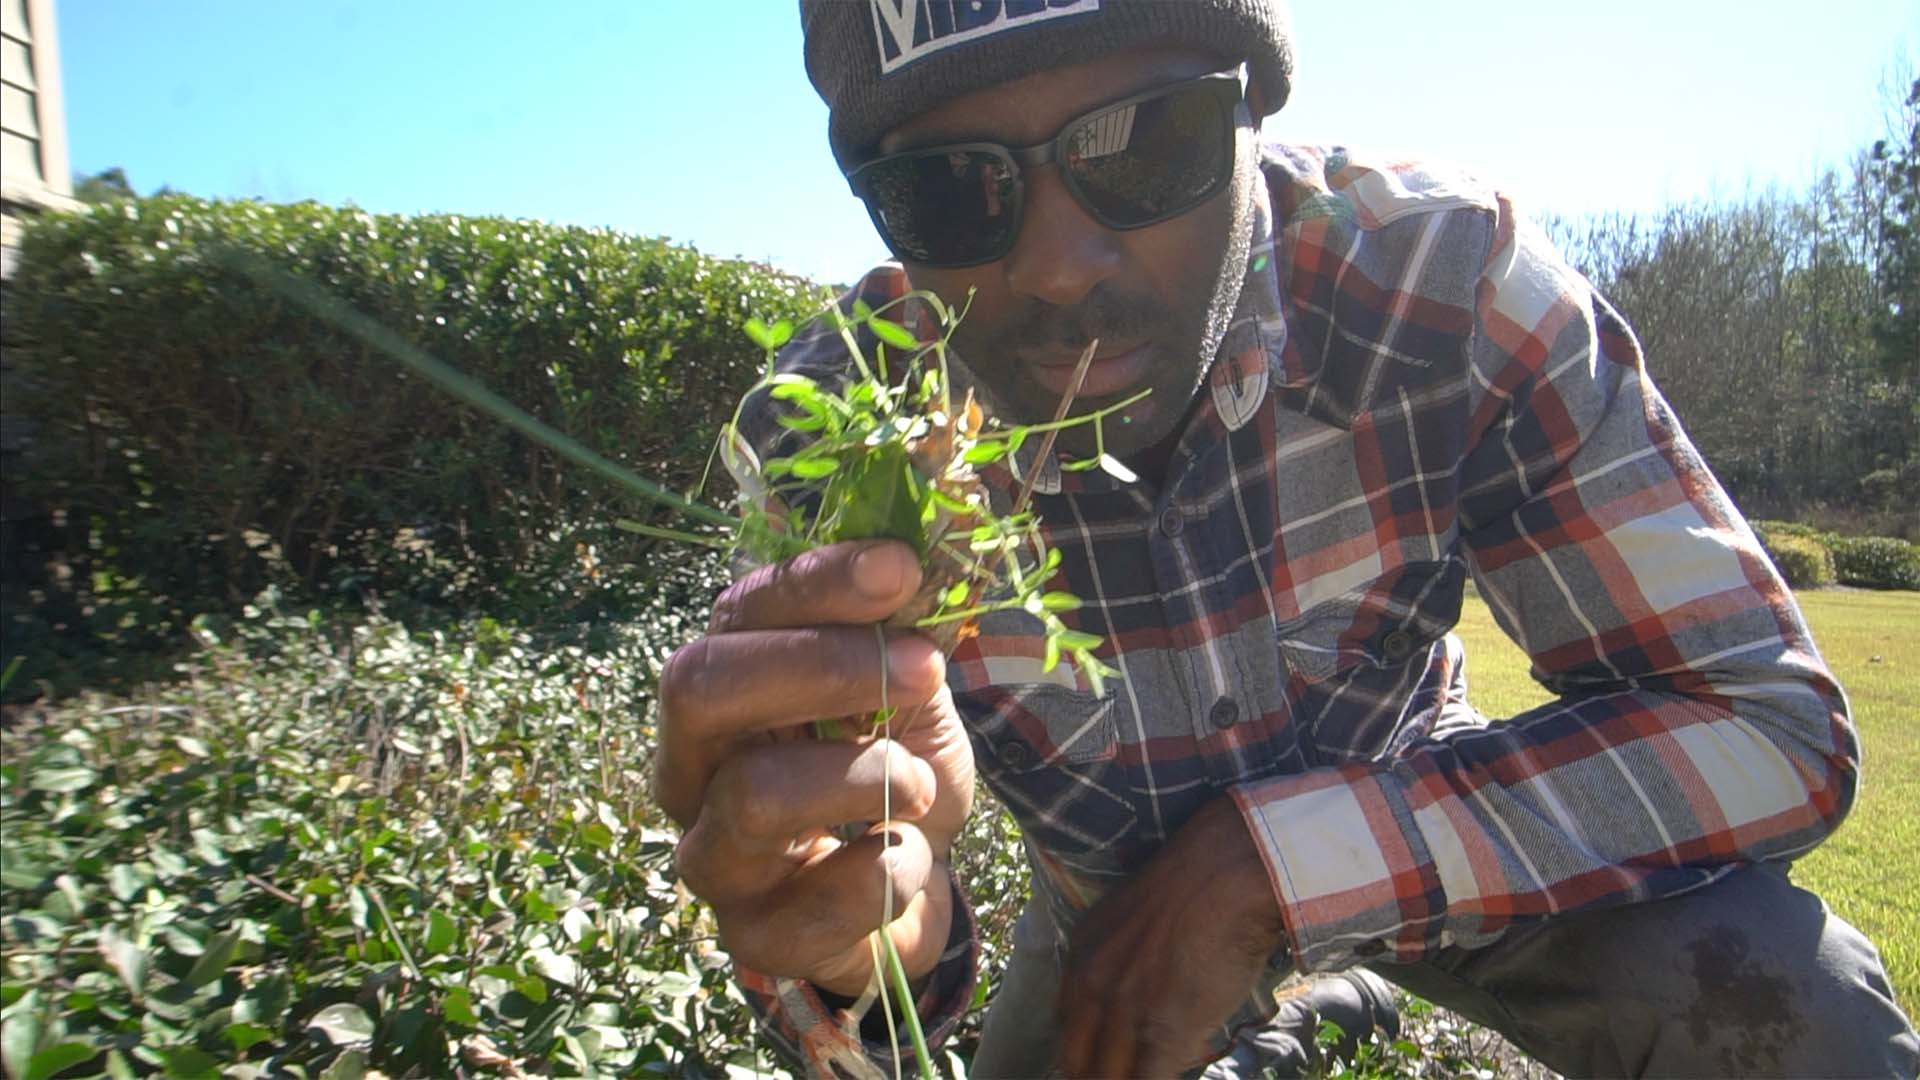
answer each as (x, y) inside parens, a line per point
(1017, 1040)
(1751, 976)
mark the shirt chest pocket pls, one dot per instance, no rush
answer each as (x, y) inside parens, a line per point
(1050, 752)
(1354, 661)
(1385, 624)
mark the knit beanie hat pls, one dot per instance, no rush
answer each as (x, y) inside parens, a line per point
(879, 63)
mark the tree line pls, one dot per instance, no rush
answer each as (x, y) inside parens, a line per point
(1785, 330)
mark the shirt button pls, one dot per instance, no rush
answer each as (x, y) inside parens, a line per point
(1014, 755)
(1171, 522)
(1225, 713)
(1398, 645)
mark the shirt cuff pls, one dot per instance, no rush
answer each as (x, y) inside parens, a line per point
(1347, 864)
(827, 1041)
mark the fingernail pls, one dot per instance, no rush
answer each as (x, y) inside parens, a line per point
(879, 572)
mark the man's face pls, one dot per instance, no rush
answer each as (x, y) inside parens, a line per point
(1156, 298)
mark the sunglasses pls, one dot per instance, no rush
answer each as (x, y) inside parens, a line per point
(1130, 164)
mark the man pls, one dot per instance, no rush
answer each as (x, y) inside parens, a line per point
(1368, 382)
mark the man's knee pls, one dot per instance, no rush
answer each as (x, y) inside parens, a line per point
(1750, 976)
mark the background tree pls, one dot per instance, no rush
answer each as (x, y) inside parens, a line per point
(103, 186)
(1895, 164)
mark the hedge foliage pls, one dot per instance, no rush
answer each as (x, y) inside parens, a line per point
(1809, 558)
(1804, 562)
(189, 418)
(342, 845)
(1876, 562)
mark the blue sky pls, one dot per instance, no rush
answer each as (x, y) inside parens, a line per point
(693, 119)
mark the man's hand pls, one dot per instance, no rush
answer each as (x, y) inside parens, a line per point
(1159, 964)
(758, 801)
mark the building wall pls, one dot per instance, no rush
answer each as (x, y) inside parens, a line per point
(34, 173)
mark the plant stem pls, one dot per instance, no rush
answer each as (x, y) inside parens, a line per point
(903, 993)
(978, 609)
(675, 535)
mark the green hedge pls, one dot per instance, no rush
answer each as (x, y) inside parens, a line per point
(345, 843)
(189, 420)
(1804, 562)
(1808, 557)
(1876, 562)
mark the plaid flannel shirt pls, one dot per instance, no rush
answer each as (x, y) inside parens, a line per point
(1416, 389)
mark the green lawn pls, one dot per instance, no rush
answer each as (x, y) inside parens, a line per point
(1869, 872)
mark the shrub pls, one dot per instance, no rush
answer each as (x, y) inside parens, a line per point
(1804, 561)
(350, 844)
(1786, 528)
(343, 843)
(189, 419)
(1876, 562)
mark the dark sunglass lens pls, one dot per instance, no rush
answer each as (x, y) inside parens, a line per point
(1140, 163)
(945, 207)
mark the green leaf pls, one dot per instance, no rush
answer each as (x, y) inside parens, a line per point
(936, 497)
(677, 984)
(190, 1063)
(342, 1024)
(351, 1065)
(814, 421)
(63, 779)
(794, 388)
(57, 1059)
(986, 453)
(862, 310)
(893, 333)
(576, 924)
(126, 881)
(20, 1036)
(553, 965)
(532, 987)
(243, 1036)
(814, 468)
(127, 959)
(879, 498)
(213, 962)
(1060, 601)
(761, 334)
(1053, 654)
(458, 1007)
(957, 595)
(1076, 641)
(442, 932)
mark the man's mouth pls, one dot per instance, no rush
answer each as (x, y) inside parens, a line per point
(1111, 372)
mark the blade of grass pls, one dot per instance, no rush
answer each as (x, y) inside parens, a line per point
(324, 305)
(1059, 414)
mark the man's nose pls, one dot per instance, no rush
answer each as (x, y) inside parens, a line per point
(1061, 253)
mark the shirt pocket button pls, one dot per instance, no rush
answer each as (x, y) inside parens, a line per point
(1014, 755)
(1396, 646)
(1225, 713)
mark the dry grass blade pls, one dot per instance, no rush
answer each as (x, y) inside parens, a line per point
(1059, 414)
